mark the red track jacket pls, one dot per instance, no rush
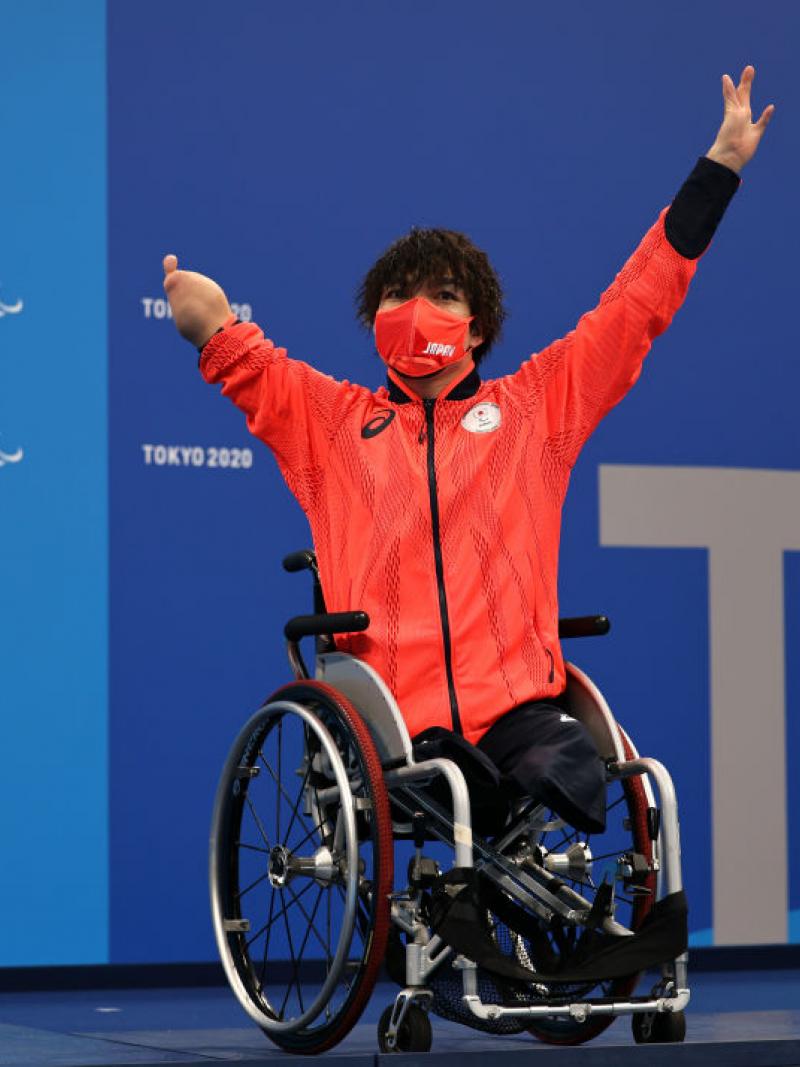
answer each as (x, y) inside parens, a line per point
(441, 519)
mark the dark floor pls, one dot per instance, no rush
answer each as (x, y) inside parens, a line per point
(748, 1018)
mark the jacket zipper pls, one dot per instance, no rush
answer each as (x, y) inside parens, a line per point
(437, 555)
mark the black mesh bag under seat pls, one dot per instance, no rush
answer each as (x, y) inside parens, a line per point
(447, 986)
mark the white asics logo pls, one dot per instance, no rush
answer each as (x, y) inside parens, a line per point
(10, 457)
(435, 349)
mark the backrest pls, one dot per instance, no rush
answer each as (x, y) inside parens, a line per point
(589, 706)
(366, 690)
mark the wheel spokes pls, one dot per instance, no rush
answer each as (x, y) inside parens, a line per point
(300, 796)
(295, 971)
(295, 828)
(258, 823)
(252, 885)
(271, 921)
(266, 941)
(310, 920)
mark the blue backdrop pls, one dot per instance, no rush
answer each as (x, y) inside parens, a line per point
(279, 148)
(53, 469)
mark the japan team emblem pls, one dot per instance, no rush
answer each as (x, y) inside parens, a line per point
(483, 418)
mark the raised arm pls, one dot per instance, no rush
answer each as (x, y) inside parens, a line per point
(582, 376)
(289, 405)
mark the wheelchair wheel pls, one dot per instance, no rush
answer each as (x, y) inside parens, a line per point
(301, 867)
(626, 832)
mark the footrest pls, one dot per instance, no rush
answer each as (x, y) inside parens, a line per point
(458, 909)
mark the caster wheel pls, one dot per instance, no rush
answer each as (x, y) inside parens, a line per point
(659, 1028)
(414, 1035)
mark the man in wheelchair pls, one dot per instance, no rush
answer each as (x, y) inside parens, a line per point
(435, 506)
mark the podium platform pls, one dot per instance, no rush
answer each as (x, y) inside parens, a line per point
(750, 1019)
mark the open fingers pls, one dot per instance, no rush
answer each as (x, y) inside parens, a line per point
(745, 82)
(729, 93)
(766, 115)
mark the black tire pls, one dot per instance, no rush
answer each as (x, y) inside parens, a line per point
(415, 1033)
(654, 1028)
(287, 812)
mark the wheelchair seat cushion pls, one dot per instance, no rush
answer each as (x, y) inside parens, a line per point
(438, 743)
(549, 755)
(489, 794)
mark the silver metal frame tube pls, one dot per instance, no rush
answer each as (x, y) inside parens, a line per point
(581, 1009)
(462, 819)
(669, 835)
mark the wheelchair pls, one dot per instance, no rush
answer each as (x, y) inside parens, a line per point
(531, 925)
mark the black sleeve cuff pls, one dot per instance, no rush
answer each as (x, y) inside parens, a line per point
(214, 334)
(698, 208)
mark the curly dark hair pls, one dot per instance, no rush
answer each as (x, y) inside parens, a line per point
(425, 254)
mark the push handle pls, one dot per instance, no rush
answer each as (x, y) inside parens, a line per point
(306, 560)
(303, 560)
(584, 626)
(332, 622)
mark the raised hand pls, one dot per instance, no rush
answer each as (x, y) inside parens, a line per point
(199, 306)
(739, 136)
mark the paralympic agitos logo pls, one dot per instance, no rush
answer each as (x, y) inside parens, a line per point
(10, 309)
(16, 456)
(10, 457)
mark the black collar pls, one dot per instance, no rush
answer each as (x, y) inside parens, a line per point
(466, 388)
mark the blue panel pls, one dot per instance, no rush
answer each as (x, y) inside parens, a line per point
(280, 151)
(53, 520)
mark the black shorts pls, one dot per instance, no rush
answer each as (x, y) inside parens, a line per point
(550, 756)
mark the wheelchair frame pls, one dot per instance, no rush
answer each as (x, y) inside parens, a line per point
(537, 887)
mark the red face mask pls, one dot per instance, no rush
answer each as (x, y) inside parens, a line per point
(418, 338)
